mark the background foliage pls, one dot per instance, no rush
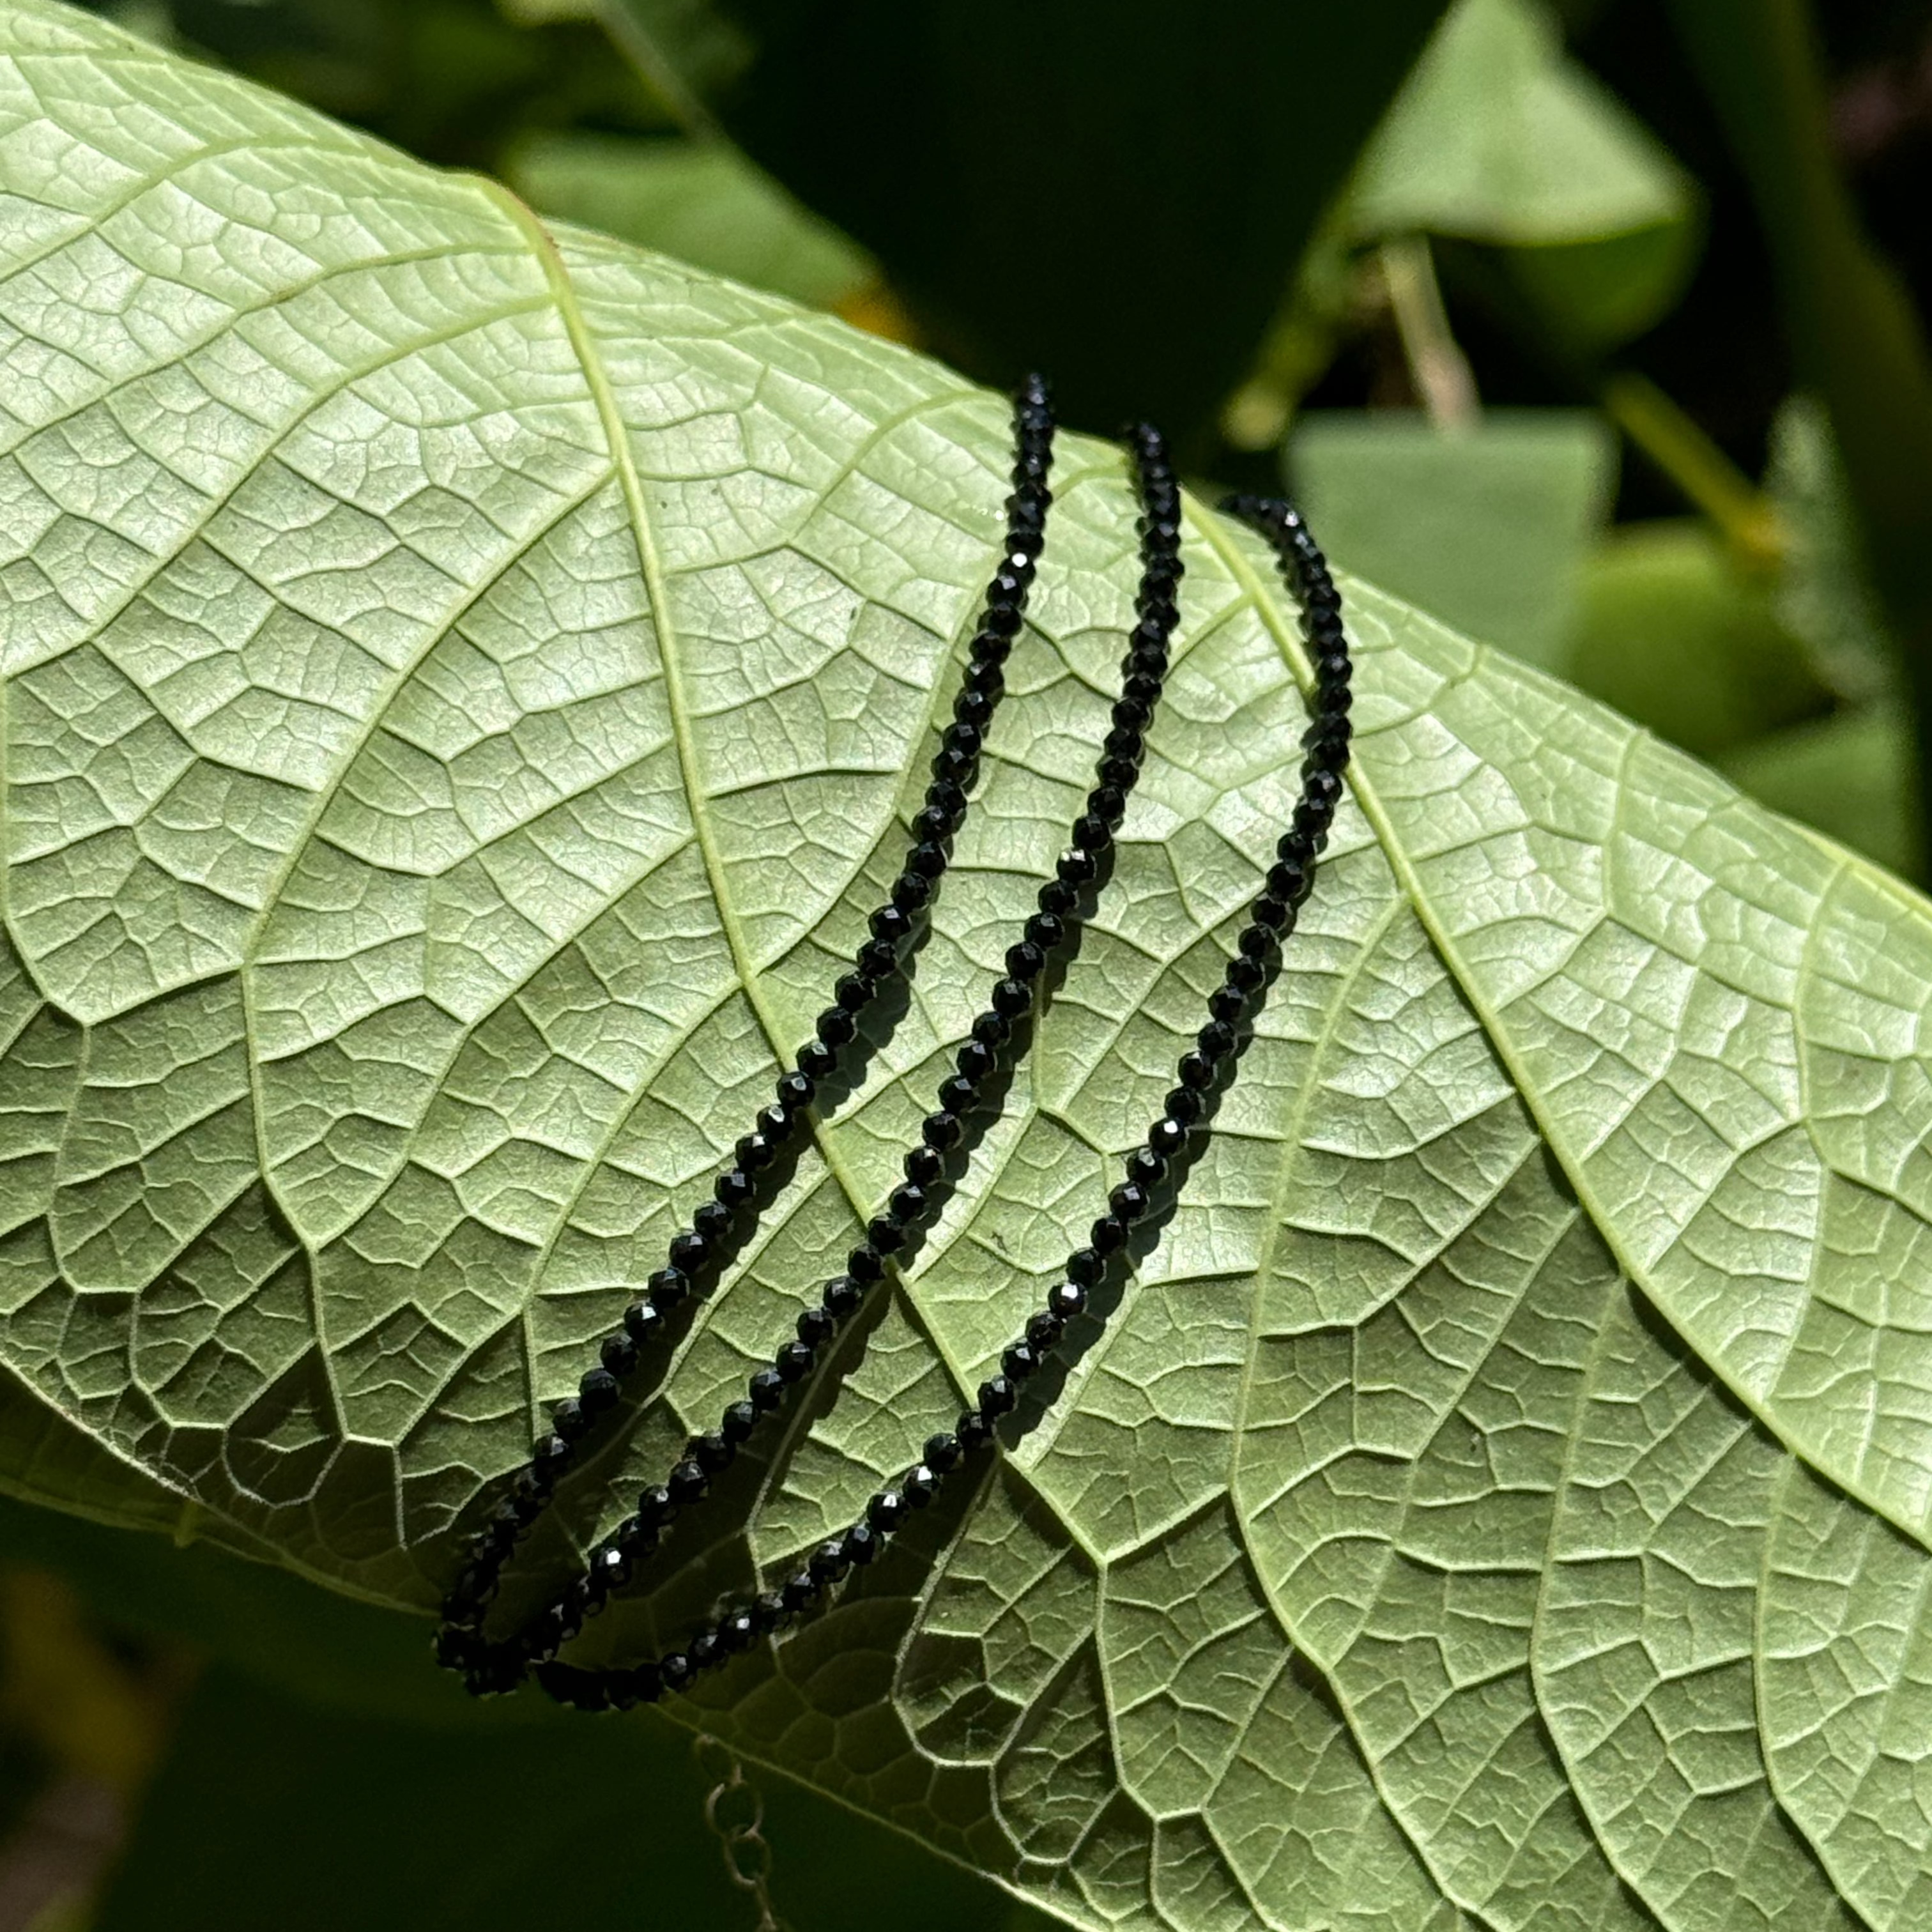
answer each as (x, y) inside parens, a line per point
(1504, 322)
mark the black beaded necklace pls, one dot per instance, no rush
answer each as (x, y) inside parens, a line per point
(697, 1253)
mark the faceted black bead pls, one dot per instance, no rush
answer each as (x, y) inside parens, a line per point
(1119, 774)
(973, 1431)
(954, 765)
(738, 1422)
(1270, 912)
(943, 795)
(643, 1323)
(712, 1223)
(975, 1061)
(1128, 1203)
(636, 1540)
(1058, 898)
(890, 925)
(1084, 1266)
(1020, 1361)
(910, 892)
(776, 1125)
(793, 1362)
(711, 1452)
(1067, 1299)
(674, 1669)
(854, 993)
(656, 1506)
(887, 1236)
(983, 675)
(878, 959)
(997, 1396)
(1044, 1331)
(864, 1263)
(769, 1612)
(1257, 943)
(1167, 1137)
(992, 1029)
(646, 1683)
(816, 1327)
(1012, 998)
(705, 1650)
(1288, 880)
(795, 1092)
(737, 1632)
(1195, 1070)
(1247, 975)
(1216, 1039)
(1141, 688)
(1227, 1003)
(906, 1205)
(570, 1420)
(1136, 712)
(1146, 1168)
(597, 1391)
(1077, 866)
(887, 1510)
(1108, 803)
(829, 1563)
(1024, 960)
(732, 1191)
(920, 1486)
(766, 1389)
(860, 1543)
(836, 1026)
(1092, 833)
(923, 1165)
(941, 1452)
(942, 1130)
(1003, 620)
(927, 859)
(687, 1482)
(799, 1592)
(610, 1568)
(689, 1253)
(842, 1295)
(1108, 1235)
(957, 1094)
(550, 1457)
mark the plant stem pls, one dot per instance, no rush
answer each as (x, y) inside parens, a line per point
(1436, 364)
(1851, 329)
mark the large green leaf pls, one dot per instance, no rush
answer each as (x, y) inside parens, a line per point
(463, 688)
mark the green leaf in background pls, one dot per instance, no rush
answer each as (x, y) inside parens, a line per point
(1673, 632)
(1488, 527)
(1499, 137)
(1048, 190)
(700, 201)
(463, 684)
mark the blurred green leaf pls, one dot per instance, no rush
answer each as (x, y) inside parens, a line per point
(1500, 137)
(701, 202)
(1120, 203)
(1486, 528)
(1850, 776)
(1673, 634)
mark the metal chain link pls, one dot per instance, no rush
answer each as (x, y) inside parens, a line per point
(736, 1814)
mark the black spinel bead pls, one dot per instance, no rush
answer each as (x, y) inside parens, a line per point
(732, 1191)
(1269, 912)
(983, 675)
(1012, 998)
(1288, 880)
(835, 1026)
(975, 1061)
(906, 1205)
(687, 1482)
(1024, 960)
(793, 1362)
(954, 764)
(974, 709)
(941, 1452)
(957, 1094)
(738, 1422)
(927, 858)
(636, 1540)
(770, 1612)
(737, 1632)
(1058, 899)
(711, 1452)
(941, 1130)
(570, 1420)
(878, 959)
(597, 1391)
(887, 1236)
(1136, 713)
(865, 1263)
(656, 1506)
(1085, 1266)
(610, 1567)
(1044, 1331)
(890, 925)
(943, 795)
(1001, 620)
(1183, 1103)
(766, 1389)
(1108, 803)
(923, 1165)
(1119, 774)
(799, 1592)
(1247, 975)
(647, 1683)
(776, 1125)
(920, 1486)
(973, 1431)
(1020, 1361)
(854, 993)
(992, 1029)
(1227, 1003)
(1045, 931)
(997, 1396)
(795, 1092)
(1141, 688)
(1077, 866)
(712, 1223)
(1067, 1301)
(551, 1456)
(705, 1650)
(861, 1544)
(829, 1563)
(643, 1324)
(1092, 833)
(1146, 1168)
(1127, 1203)
(816, 1327)
(1257, 943)
(842, 1295)
(910, 892)
(1196, 1070)
(1216, 1039)
(1123, 742)
(887, 1510)
(1167, 1137)
(690, 1253)
(674, 1670)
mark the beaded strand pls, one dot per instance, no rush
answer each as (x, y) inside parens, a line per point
(912, 1204)
(696, 1252)
(1272, 917)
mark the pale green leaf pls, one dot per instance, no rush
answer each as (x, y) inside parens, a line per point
(464, 684)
